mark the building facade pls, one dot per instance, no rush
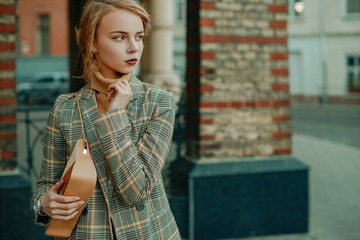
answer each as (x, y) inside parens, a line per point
(324, 47)
(42, 43)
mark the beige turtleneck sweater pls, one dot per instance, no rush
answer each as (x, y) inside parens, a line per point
(100, 84)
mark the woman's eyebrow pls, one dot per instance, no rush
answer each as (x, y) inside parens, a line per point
(121, 32)
(126, 33)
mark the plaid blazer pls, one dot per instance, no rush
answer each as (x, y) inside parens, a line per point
(129, 147)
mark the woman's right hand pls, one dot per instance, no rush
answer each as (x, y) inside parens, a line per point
(58, 206)
(119, 94)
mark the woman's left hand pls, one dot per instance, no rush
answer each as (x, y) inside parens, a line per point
(120, 94)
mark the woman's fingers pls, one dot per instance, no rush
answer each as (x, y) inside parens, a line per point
(126, 83)
(110, 94)
(115, 84)
(120, 87)
(63, 199)
(119, 94)
(67, 205)
(126, 87)
(121, 84)
(54, 204)
(116, 90)
(66, 218)
(57, 186)
(64, 209)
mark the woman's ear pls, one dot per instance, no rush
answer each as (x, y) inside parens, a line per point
(93, 47)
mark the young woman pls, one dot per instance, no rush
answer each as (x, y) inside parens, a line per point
(128, 125)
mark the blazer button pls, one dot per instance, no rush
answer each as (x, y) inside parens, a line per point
(84, 211)
(140, 207)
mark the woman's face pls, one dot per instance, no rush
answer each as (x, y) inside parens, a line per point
(118, 43)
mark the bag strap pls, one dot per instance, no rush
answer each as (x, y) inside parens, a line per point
(81, 120)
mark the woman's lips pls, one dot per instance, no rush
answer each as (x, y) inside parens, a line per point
(132, 61)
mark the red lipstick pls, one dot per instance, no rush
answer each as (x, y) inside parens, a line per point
(132, 61)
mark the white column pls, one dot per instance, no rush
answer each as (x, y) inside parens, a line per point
(158, 68)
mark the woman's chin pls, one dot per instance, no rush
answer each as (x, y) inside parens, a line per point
(119, 74)
(125, 71)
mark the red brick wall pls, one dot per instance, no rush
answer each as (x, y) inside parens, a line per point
(237, 101)
(7, 87)
(28, 11)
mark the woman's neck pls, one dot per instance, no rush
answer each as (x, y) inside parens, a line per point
(101, 83)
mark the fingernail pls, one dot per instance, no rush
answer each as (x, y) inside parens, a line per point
(82, 202)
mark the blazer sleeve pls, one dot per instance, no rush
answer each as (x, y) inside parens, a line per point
(136, 169)
(54, 155)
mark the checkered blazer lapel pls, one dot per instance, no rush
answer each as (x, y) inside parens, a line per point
(90, 113)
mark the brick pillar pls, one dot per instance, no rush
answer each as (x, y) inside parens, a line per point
(237, 173)
(7, 87)
(238, 101)
(15, 192)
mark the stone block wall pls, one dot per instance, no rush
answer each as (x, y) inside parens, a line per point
(7, 86)
(238, 101)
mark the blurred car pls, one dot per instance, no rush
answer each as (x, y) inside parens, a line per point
(43, 88)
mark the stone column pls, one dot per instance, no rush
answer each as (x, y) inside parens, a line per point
(157, 67)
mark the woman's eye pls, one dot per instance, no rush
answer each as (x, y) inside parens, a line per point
(119, 38)
(139, 37)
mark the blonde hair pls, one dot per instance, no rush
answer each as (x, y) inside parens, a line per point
(93, 12)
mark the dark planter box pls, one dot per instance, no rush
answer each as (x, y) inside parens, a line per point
(15, 206)
(236, 199)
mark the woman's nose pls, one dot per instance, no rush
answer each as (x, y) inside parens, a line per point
(133, 46)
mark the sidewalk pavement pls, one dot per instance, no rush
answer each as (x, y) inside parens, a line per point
(334, 190)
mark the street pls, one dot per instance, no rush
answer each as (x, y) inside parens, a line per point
(327, 139)
(338, 123)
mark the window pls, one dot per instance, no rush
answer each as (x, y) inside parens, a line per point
(180, 11)
(353, 73)
(296, 8)
(43, 35)
(353, 7)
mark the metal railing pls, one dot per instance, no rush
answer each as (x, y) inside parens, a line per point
(30, 142)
